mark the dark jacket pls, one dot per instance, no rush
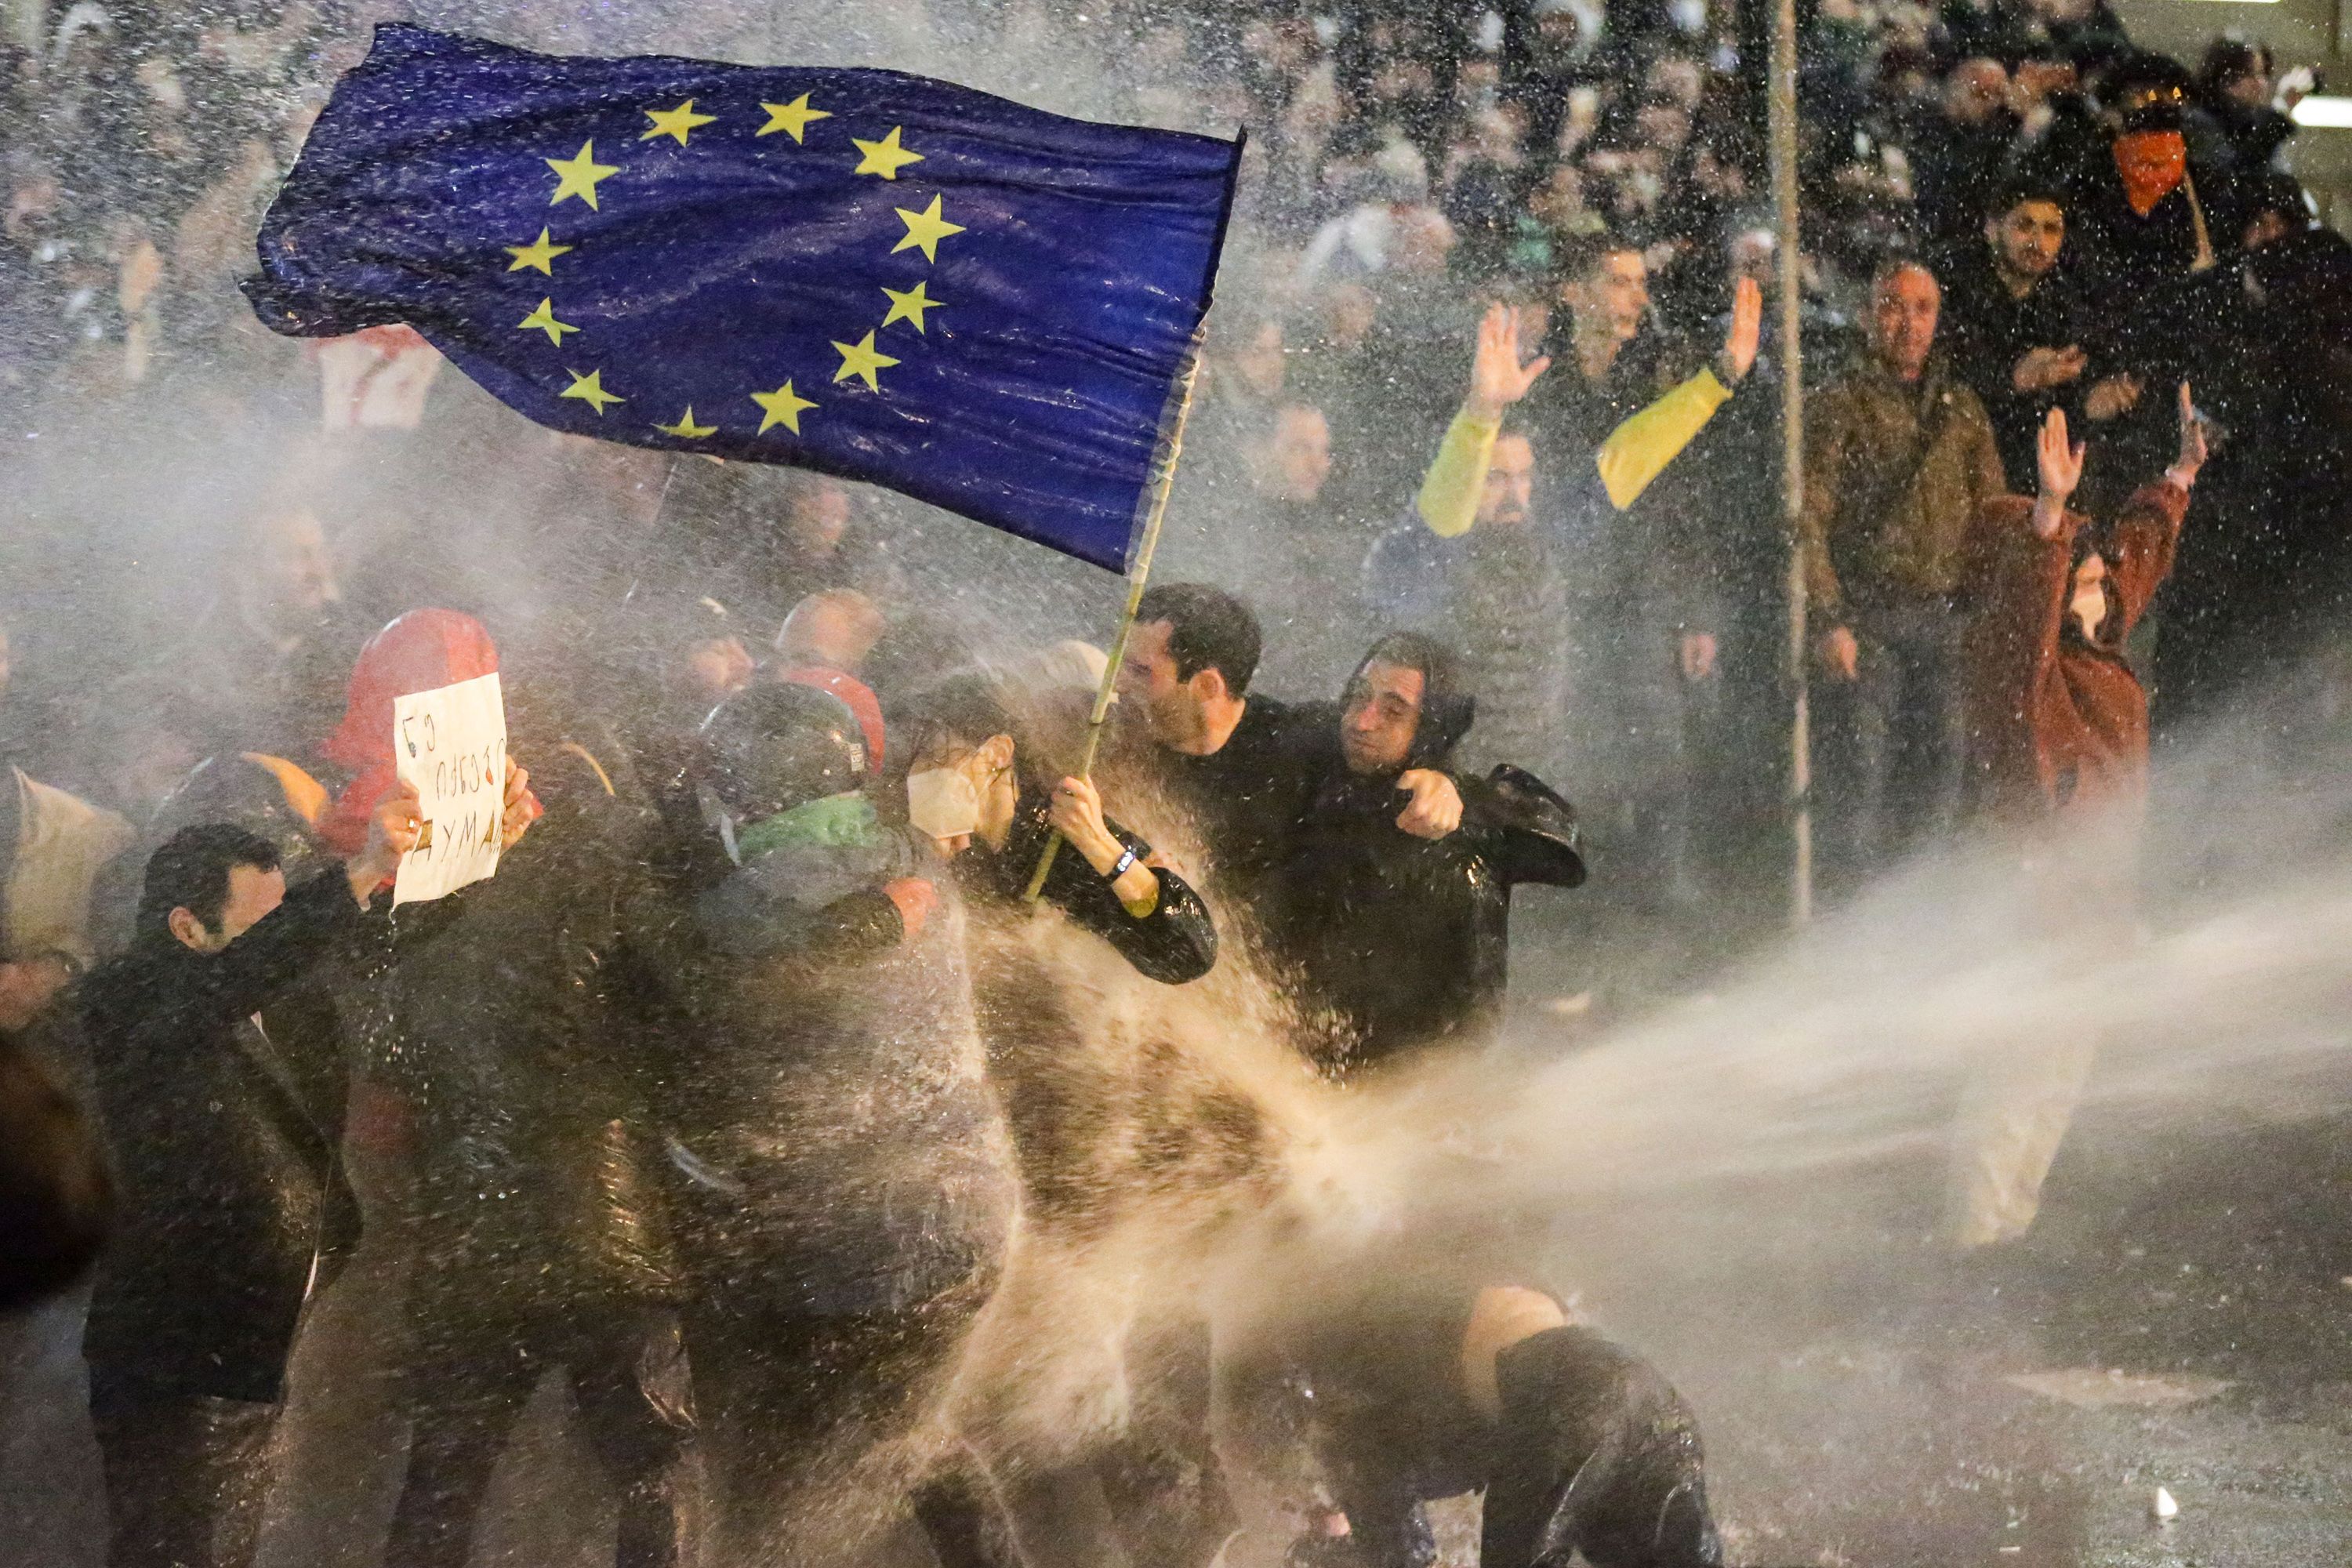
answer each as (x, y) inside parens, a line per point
(2056, 723)
(530, 1080)
(843, 1153)
(1989, 329)
(225, 1149)
(1407, 939)
(1174, 943)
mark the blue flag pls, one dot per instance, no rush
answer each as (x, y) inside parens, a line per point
(877, 275)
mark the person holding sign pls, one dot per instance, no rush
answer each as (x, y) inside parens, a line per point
(542, 1236)
(228, 1177)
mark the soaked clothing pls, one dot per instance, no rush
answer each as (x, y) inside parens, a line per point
(224, 1147)
(2058, 723)
(1407, 939)
(1590, 1452)
(1246, 797)
(1174, 943)
(836, 1128)
(542, 1231)
(185, 1481)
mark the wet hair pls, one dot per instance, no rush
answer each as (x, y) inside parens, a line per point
(190, 872)
(967, 706)
(1447, 705)
(1208, 628)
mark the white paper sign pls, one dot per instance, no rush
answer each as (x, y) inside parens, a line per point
(451, 743)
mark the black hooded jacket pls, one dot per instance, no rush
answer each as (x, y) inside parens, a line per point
(1406, 939)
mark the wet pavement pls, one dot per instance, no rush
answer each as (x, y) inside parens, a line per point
(2189, 1308)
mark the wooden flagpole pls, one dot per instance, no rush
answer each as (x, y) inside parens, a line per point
(1138, 572)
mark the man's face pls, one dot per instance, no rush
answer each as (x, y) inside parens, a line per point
(1148, 684)
(252, 893)
(295, 571)
(2029, 238)
(1902, 321)
(1298, 458)
(1381, 717)
(1616, 292)
(1510, 483)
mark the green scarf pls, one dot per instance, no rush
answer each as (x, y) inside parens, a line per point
(842, 819)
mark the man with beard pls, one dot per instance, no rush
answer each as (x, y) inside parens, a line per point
(1240, 764)
(1406, 941)
(2016, 326)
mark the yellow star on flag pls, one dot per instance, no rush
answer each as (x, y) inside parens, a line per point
(782, 407)
(675, 121)
(884, 157)
(908, 305)
(686, 430)
(543, 319)
(861, 359)
(924, 229)
(536, 254)
(577, 176)
(792, 119)
(590, 390)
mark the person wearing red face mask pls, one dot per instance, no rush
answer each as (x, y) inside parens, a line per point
(2146, 260)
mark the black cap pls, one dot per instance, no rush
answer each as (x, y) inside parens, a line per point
(2148, 91)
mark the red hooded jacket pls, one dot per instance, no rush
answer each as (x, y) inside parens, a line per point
(421, 650)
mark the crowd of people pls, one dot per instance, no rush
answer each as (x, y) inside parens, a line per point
(1479, 518)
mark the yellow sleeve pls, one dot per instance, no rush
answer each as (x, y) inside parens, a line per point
(1639, 450)
(1450, 491)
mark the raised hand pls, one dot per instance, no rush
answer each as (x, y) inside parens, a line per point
(1497, 380)
(2059, 458)
(1747, 330)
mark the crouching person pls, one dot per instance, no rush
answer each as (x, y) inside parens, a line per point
(2058, 736)
(1423, 1386)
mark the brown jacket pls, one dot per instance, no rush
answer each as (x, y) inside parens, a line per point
(1895, 476)
(2057, 724)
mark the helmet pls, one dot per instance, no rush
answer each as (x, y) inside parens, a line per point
(771, 747)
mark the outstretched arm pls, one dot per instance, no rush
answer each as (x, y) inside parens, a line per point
(1639, 450)
(1448, 501)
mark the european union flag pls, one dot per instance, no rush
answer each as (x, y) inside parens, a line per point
(884, 277)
